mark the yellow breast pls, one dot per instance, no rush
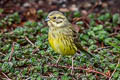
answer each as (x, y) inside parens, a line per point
(62, 44)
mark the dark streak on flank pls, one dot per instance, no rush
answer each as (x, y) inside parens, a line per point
(53, 35)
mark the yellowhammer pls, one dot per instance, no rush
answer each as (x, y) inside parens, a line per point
(62, 37)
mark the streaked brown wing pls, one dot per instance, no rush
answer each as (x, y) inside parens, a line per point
(77, 42)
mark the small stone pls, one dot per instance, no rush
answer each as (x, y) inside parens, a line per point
(84, 12)
(26, 5)
(104, 5)
(87, 5)
(40, 2)
(73, 8)
(64, 10)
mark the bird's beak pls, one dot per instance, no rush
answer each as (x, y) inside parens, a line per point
(47, 19)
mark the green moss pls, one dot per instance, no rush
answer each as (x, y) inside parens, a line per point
(29, 63)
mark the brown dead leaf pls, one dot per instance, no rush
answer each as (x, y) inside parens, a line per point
(108, 73)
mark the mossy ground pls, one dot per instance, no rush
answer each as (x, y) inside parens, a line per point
(26, 54)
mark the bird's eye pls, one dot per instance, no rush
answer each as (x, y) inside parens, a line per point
(54, 17)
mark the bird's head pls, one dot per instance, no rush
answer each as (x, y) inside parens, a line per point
(56, 19)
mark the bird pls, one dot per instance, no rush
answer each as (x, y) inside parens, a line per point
(62, 36)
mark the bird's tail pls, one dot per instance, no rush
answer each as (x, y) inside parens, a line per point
(85, 51)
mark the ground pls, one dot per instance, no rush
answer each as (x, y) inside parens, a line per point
(25, 52)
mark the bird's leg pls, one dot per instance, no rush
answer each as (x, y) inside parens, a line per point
(72, 65)
(58, 59)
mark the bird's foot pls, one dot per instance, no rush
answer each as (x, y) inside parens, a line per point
(72, 70)
(56, 63)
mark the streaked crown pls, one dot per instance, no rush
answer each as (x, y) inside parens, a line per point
(56, 19)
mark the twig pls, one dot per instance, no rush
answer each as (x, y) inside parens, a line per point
(12, 51)
(94, 6)
(5, 75)
(98, 49)
(115, 69)
(29, 41)
(80, 68)
(113, 34)
(2, 54)
(35, 50)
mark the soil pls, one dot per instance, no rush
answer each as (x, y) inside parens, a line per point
(20, 6)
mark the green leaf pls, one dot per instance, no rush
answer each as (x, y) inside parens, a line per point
(85, 37)
(53, 79)
(116, 74)
(76, 14)
(92, 47)
(115, 18)
(1, 10)
(46, 68)
(98, 27)
(39, 78)
(92, 23)
(107, 40)
(115, 45)
(112, 66)
(44, 30)
(40, 12)
(107, 16)
(91, 33)
(102, 18)
(79, 23)
(64, 77)
(91, 16)
(31, 24)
